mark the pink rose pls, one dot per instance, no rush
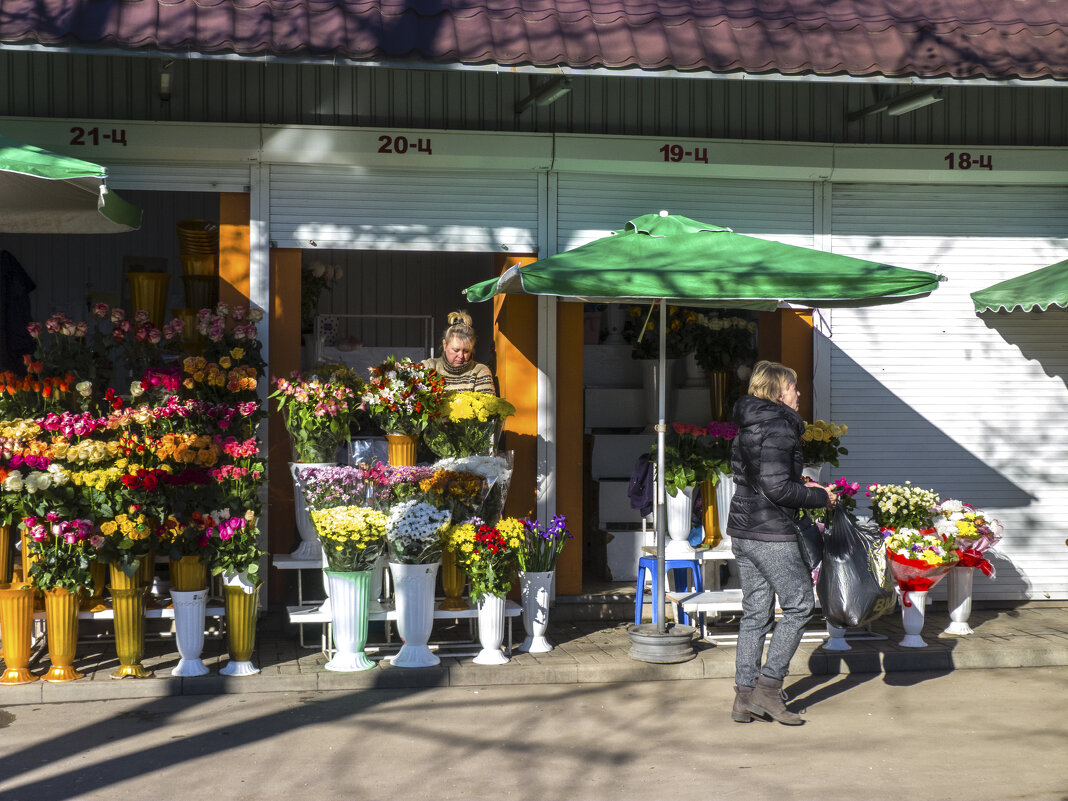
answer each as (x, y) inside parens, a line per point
(35, 330)
(117, 315)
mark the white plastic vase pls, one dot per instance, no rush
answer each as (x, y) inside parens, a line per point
(534, 590)
(350, 592)
(913, 609)
(325, 607)
(309, 547)
(724, 495)
(189, 610)
(836, 640)
(959, 600)
(679, 514)
(413, 588)
(817, 472)
(491, 630)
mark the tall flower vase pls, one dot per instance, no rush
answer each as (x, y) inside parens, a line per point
(959, 600)
(16, 631)
(491, 630)
(836, 640)
(534, 591)
(710, 515)
(188, 574)
(128, 601)
(148, 292)
(679, 516)
(98, 571)
(718, 384)
(241, 603)
(453, 581)
(5, 555)
(189, 608)
(402, 448)
(413, 587)
(913, 609)
(350, 594)
(61, 625)
(309, 547)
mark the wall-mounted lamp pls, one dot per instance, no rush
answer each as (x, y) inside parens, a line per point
(165, 81)
(901, 104)
(549, 92)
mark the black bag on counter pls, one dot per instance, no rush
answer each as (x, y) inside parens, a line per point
(855, 585)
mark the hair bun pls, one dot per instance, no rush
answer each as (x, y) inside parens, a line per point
(455, 320)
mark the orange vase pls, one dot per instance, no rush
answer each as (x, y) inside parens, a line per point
(710, 518)
(16, 629)
(401, 449)
(61, 625)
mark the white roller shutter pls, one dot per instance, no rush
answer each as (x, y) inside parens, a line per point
(174, 178)
(357, 208)
(592, 205)
(971, 406)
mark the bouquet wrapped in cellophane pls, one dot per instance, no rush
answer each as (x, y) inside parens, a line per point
(918, 558)
(974, 532)
(470, 424)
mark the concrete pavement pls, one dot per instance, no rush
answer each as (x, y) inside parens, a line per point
(587, 652)
(966, 735)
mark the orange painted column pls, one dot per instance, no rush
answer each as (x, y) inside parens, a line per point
(234, 213)
(570, 424)
(515, 340)
(284, 349)
(787, 336)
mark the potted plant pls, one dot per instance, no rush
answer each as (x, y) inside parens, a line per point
(414, 543)
(537, 557)
(489, 555)
(687, 463)
(60, 568)
(402, 398)
(470, 424)
(352, 538)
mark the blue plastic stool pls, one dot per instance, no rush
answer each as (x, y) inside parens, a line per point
(678, 568)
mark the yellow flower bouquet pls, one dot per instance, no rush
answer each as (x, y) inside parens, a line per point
(470, 424)
(352, 536)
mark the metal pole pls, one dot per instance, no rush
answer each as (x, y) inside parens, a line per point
(661, 502)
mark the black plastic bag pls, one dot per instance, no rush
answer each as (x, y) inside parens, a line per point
(855, 585)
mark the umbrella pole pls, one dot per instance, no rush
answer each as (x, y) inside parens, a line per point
(661, 501)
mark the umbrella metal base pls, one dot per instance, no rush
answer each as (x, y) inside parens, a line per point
(648, 644)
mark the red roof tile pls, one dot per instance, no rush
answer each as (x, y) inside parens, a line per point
(933, 38)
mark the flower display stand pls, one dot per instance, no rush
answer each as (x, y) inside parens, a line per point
(535, 590)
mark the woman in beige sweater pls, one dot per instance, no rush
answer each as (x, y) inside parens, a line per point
(459, 370)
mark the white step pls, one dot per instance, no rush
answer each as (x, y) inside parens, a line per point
(613, 505)
(614, 455)
(624, 549)
(613, 407)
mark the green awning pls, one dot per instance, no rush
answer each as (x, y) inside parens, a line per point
(1041, 288)
(668, 257)
(45, 193)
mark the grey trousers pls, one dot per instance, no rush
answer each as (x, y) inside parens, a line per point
(767, 570)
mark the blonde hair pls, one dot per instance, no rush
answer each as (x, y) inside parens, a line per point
(770, 380)
(459, 327)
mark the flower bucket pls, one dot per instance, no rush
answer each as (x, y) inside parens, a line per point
(16, 629)
(350, 594)
(491, 630)
(241, 601)
(128, 601)
(534, 591)
(414, 592)
(148, 292)
(309, 548)
(61, 625)
(402, 449)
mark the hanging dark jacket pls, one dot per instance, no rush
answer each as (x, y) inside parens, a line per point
(768, 450)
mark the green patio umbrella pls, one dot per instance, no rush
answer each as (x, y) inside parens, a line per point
(1041, 288)
(45, 193)
(663, 257)
(678, 259)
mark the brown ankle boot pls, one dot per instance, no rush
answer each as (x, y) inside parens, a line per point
(767, 699)
(740, 713)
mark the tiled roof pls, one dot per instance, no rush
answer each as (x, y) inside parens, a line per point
(994, 39)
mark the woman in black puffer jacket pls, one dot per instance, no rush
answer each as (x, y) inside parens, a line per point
(767, 465)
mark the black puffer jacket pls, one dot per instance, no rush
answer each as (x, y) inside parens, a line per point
(768, 449)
